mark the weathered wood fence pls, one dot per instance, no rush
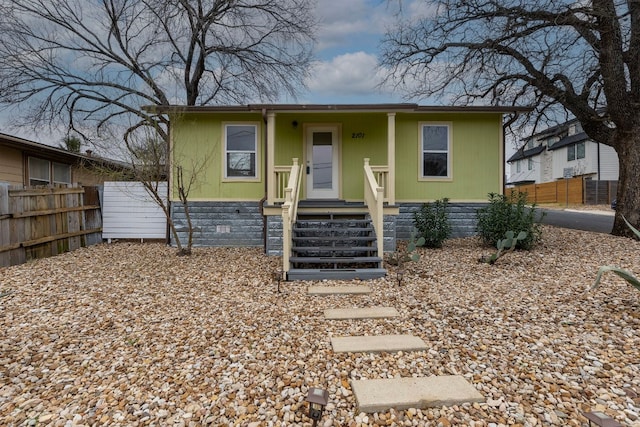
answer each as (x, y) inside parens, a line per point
(574, 191)
(599, 192)
(40, 222)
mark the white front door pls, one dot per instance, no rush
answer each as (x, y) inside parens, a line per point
(323, 166)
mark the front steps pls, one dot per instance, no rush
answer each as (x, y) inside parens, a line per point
(334, 245)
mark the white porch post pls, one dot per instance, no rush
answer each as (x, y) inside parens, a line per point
(391, 157)
(271, 152)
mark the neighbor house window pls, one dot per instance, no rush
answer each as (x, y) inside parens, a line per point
(435, 150)
(530, 164)
(241, 149)
(576, 151)
(44, 172)
(518, 166)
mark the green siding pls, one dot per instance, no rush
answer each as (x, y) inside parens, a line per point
(198, 138)
(475, 157)
(475, 153)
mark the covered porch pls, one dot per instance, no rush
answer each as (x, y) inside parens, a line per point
(320, 184)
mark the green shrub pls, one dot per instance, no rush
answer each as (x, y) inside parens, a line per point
(432, 223)
(505, 213)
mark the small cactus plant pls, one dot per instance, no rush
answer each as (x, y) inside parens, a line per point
(508, 244)
(409, 253)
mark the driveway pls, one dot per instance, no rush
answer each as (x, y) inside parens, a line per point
(598, 221)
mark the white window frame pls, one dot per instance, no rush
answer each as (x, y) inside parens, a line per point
(448, 151)
(256, 152)
(584, 150)
(530, 164)
(573, 148)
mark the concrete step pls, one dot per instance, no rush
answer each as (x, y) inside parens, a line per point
(335, 274)
(377, 344)
(339, 290)
(335, 259)
(380, 395)
(360, 313)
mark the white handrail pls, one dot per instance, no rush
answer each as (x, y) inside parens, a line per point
(373, 197)
(289, 213)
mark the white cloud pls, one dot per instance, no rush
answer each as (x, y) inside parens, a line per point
(343, 20)
(348, 74)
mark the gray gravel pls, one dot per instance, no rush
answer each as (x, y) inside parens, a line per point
(129, 334)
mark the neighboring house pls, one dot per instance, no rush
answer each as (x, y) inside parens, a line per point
(559, 152)
(361, 167)
(28, 163)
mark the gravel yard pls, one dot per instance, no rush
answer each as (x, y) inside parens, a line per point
(129, 334)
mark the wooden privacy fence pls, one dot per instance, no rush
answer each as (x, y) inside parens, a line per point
(40, 222)
(569, 191)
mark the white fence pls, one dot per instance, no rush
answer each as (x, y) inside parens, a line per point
(128, 212)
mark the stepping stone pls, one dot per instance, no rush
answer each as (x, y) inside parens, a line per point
(338, 290)
(403, 393)
(360, 313)
(377, 343)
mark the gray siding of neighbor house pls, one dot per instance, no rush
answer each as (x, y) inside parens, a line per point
(241, 224)
(221, 223)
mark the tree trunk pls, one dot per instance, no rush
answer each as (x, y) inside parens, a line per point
(628, 196)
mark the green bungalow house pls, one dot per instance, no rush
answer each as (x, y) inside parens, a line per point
(330, 188)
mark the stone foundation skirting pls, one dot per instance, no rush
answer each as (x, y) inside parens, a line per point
(242, 224)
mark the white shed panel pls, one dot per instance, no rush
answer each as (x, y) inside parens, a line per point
(128, 212)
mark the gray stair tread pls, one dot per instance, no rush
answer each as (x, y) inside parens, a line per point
(334, 259)
(330, 238)
(380, 395)
(339, 290)
(344, 231)
(335, 274)
(360, 313)
(377, 343)
(334, 248)
(333, 221)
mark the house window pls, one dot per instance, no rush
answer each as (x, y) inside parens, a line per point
(435, 151)
(580, 150)
(518, 166)
(44, 172)
(576, 151)
(61, 173)
(530, 164)
(241, 149)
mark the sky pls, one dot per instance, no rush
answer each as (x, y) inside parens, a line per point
(346, 71)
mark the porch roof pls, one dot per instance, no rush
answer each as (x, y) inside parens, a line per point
(315, 108)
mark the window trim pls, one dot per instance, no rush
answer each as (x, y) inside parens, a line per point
(573, 148)
(255, 178)
(421, 151)
(530, 164)
(51, 180)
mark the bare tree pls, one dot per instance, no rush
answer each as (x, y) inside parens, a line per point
(101, 61)
(148, 164)
(580, 57)
(91, 66)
